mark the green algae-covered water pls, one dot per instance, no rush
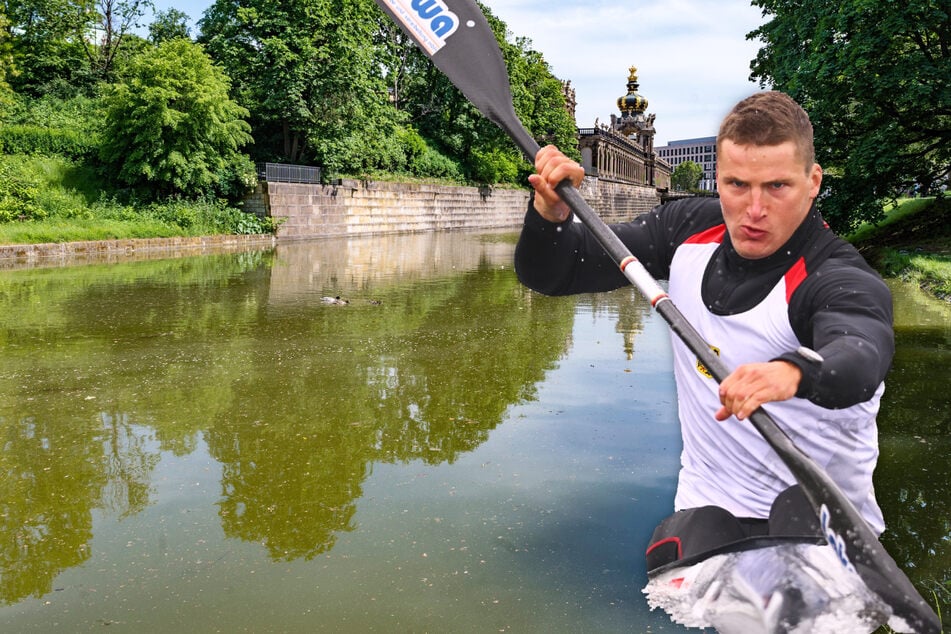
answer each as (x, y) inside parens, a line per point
(206, 444)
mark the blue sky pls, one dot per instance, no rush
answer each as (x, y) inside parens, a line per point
(692, 56)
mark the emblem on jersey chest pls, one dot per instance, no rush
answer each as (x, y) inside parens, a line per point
(702, 369)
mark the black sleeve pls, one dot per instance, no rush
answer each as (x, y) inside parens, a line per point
(565, 258)
(844, 312)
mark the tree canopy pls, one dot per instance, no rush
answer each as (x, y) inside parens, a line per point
(6, 62)
(169, 25)
(686, 176)
(170, 125)
(875, 78)
(322, 82)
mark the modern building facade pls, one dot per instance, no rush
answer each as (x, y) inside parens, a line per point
(702, 151)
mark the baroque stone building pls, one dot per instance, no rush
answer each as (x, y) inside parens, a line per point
(623, 150)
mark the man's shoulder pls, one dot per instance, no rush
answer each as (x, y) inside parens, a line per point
(843, 256)
(690, 216)
(842, 268)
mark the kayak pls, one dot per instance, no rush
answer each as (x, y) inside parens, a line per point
(789, 588)
(708, 568)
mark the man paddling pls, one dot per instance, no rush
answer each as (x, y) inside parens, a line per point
(795, 310)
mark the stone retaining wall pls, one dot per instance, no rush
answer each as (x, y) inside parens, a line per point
(349, 208)
(371, 207)
(618, 202)
(64, 253)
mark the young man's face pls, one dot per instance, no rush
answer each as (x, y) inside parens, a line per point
(765, 193)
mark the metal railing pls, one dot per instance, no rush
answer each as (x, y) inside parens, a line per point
(283, 173)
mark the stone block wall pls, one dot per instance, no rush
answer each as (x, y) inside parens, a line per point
(16, 256)
(372, 207)
(618, 202)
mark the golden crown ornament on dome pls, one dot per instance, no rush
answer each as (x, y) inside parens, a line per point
(632, 104)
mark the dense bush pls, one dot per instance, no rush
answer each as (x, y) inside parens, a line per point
(496, 166)
(33, 139)
(433, 164)
(18, 193)
(207, 217)
(170, 127)
(52, 125)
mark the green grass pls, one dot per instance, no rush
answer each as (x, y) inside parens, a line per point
(77, 229)
(894, 214)
(931, 272)
(53, 199)
(912, 242)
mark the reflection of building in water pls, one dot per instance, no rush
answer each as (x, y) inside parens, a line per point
(630, 321)
(630, 310)
(323, 267)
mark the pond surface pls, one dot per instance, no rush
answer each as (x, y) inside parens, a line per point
(204, 444)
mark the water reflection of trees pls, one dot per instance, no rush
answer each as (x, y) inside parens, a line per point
(54, 475)
(105, 367)
(913, 479)
(420, 378)
(51, 477)
(76, 425)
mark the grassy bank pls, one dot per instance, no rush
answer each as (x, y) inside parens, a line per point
(912, 242)
(53, 199)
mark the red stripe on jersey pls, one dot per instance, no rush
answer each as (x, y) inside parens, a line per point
(713, 234)
(794, 277)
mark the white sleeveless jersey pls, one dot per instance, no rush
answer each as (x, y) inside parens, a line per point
(729, 464)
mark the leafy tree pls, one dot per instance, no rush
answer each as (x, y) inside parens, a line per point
(6, 62)
(686, 176)
(169, 25)
(68, 46)
(6, 58)
(46, 49)
(874, 78)
(308, 72)
(539, 96)
(111, 23)
(171, 127)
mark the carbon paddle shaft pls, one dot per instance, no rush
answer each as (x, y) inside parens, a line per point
(455, 35)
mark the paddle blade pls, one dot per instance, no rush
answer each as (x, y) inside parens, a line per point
(455, 35)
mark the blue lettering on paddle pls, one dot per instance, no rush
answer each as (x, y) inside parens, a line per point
(835, 540)
(442, 21)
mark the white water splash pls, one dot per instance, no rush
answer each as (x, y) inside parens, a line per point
(789, 589)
